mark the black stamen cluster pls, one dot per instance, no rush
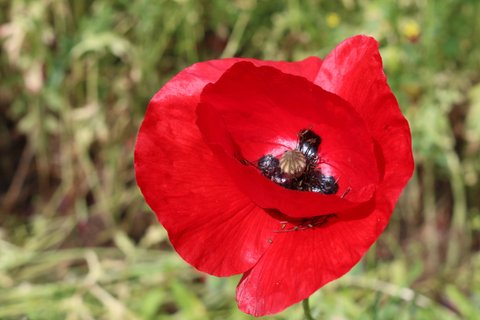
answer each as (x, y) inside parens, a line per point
(311, 179)
(270, 168)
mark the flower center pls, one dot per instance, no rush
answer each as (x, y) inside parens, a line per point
(297, 169)
(293, 163)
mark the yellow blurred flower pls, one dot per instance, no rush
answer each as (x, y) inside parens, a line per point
(411, 30)
(333, 20)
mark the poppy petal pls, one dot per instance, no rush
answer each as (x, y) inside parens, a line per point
(252, 111)
(205, 214)
(299, 263)
(353, 70)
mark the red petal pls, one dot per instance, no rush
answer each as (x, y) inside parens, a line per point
(353, 70)
(252, 111)
(300, 262)
(205, 214)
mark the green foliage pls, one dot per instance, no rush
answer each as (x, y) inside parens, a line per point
(76, 238)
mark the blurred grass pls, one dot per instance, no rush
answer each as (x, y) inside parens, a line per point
(76, 238)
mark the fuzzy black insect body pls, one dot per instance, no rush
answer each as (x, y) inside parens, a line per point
(297, 169)
(270, 168)
(269, 165)
(308, 143)
(323, 184)
(328, 184)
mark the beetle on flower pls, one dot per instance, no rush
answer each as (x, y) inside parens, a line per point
(286, 172)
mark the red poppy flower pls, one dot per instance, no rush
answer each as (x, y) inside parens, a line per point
(286, 172)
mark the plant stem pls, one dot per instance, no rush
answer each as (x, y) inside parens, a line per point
(306, 310)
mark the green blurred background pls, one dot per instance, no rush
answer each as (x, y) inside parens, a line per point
(77, 240)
